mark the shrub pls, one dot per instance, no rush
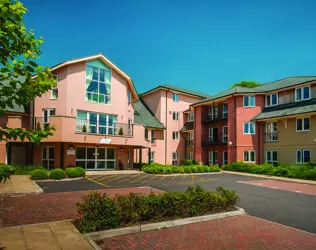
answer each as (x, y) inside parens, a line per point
(214, 168)
(186, 162)
(57, 174)
(194, 169)
(5, 172)
(187, 169)
(206, 169)
(99, 212)
(84, 128)
(175, 169)
(200, 169)
(75, 172)
(26, 170)
(168, 170)
(121, 132)
(39, 174)
(180, 170)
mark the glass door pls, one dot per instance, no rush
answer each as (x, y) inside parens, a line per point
(101, 158)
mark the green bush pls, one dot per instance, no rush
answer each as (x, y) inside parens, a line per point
(180, 170)
(168, 170)
(214, 168)
(175, 169)
(194, 169)
(39, 174)
(186, 162)
(99, 212)
(57, 174)
(75, 172)
(26, 170)
(206, 169)
(187, 169)
(5, 172)
(200, 169)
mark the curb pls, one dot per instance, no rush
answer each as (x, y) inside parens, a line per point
(159, 225)
(209, 173)
(68, 179)
(271, 177)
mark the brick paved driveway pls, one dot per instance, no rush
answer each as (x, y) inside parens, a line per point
(240, 232)
(50, 207)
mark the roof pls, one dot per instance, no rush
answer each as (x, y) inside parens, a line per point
(187, 126)
(288, 109)
(285, 83)
(144, 116)
(178, 89)
(107, 62)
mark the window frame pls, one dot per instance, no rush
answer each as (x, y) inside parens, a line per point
(175, 159)
(225, 161)
(95, 159)
(152, 156)
(175, 135)
(175, 115)
(249, 156)
(303, 128)
(175, 97)
(225, 136)
(225, 112)
(153, 138)
(190, 117)
(146, 134)
(270, 99)
(249, 130)
(302, 156)
(249, 97)
(54, 89)
(46, 148)
(272, 161)
(129, 97)
(302, 93)
(190, 156)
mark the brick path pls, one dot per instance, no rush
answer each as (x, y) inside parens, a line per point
(240, 232)
(15, 211)
(283, 185)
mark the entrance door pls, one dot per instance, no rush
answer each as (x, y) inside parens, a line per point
(48, 157)
(92, 158)
(18, 155)
(128, 158)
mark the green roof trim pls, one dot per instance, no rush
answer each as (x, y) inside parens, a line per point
(288, 109)
(144, 116)
(183, 90)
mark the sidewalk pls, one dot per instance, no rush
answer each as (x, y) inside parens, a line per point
(56, 235)
(272, 177)
(19, 185)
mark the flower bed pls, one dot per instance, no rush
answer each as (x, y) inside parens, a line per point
(307, 171)
(100, 212)
(155, 168)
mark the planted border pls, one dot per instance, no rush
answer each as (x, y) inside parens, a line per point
(155, 168)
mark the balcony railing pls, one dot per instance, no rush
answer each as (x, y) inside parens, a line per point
(214, 139)
(190, 143)
(271, 136)
(213, 117)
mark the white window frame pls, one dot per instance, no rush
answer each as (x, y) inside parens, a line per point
(302, 156)
(146, 135)
(302, 93)
(249, 130)
(303, 129)
(129, 126)
(249, 156)
(271, 155)
(48, 159)
(190, 117)
(249, 97)
(272, 127)
(152, 156)
(54, 89)
(153, 138)
(175, 135)
(225, 161)
(212, 160)
(95, 160)
(190, 156)
(225, 112)
(175, 116)
(175, 97)
(270, 98)
(225, 136)
(175, 158)
(129, 96)
(46, 119)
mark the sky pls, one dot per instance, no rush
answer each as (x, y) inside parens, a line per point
(205, 46)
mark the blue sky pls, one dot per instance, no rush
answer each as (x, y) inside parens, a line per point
(202, 45)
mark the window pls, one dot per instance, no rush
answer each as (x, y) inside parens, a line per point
(225, 134)
(212, 157)
(210, 134)
(48, 157)
(190, 139)
(213, 112)
(129, 96)
(129, 127)
(272, 100)
(98, 82)
(249, 128)
(225, 110)
(249, 101)
(175, 158)
(47, 113)
(97, 123)
(225, 158)
(152, 156)
(55, 88)
(303, 156)
(175, 97)
(303, 124)
(175, 135)
(303, 93)
(175, 116)
(250, 156)
(272, 156)
(271, 133)
(153, 138)
(191, 117)
(190, 156)
(146, 133)
(92, 158)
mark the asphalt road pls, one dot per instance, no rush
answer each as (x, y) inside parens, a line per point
(288, 208)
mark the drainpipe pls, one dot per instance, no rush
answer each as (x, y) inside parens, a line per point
(259, 148)
(235, 129)
(166, 137)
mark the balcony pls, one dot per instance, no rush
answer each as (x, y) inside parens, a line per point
(271, 136)
(214, 117)
(216, 139)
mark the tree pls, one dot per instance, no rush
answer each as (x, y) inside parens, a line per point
(247, 84)
(21, 78)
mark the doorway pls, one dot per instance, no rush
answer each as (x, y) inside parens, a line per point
(95, 158)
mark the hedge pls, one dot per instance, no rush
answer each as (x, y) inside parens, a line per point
(75, 172)
(155, 168)
(39, 174)
(20, 170)
(98, 211)
(306, 171)
(57, 174)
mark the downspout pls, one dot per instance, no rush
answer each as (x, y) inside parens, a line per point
(235, 128)
(166, 137)
(185, 145)
(259, 148)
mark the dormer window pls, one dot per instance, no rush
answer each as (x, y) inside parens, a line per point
(98, 82)
(303, 93)
(272, 99)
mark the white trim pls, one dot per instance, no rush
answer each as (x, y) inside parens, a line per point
(303, 129)
(302, 93)
(175, 95)
(175, 115)
(249, 98)
(95, 160)
(249, 156)
(226, 134)
(271, 154)
(270, 97)
(302, 156)
(54, 88)
(225, 113)
(175, 135)
(190, 156)
(190, 115)
(254, 128)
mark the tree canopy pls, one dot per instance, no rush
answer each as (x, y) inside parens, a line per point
(247, 84)
(21, 78)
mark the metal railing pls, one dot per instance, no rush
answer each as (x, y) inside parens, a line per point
(215, 116)
(270, 136)
(214, 139)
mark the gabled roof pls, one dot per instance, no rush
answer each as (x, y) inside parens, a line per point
(104, 60)
(144, 116)
(288, 109)
(178, 89)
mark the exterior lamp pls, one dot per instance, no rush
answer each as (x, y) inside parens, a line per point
(121, 149)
